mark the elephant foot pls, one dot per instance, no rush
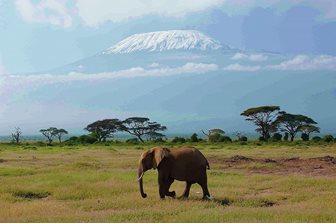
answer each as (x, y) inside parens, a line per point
(171, 194)
(208, 198)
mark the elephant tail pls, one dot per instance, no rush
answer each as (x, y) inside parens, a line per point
(207, 165)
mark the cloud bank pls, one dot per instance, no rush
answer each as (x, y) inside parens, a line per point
(8, 82)
(241, 68)
(305, 62)
(97, 12)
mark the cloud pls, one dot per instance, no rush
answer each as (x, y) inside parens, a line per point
(94, 13)
(97, 12)
(53, 12)
(241, 68)
(252, 57)
(154, 65)
(305, 62)
(9, 82)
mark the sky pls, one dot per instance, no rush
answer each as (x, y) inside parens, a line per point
(39, 35)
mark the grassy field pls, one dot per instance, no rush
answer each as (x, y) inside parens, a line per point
(265, 183)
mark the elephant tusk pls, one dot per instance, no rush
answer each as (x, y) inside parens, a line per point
(141, 176)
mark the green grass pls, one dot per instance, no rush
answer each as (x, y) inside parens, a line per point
(97, 183)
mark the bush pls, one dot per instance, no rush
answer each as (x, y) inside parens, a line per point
(243, 139)
(158, 140)
(215, 137)
(285, 138)
(305, 137)
(87, 139)
(219, 138)
(276, 137)
(194, 138)
(225, 139)
(316, 138)
(132, 141)
(328, 138)
(179, 140)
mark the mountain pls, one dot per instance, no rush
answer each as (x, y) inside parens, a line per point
(181, 78)
(164, 41)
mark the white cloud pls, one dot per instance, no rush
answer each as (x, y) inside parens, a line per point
(154, 65)
(241, 68)
(305, 62)
(54, 12)
(94, 13)
(252, 57)
(9, 82)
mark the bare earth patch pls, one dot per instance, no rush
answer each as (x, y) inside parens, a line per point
(319, 166)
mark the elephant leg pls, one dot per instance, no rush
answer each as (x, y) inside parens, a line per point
(186, 190)
(170, 193)
(204, 184)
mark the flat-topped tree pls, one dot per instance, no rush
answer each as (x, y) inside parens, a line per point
(49, 133)
(292, 123)
(104, 129)
(265, 118)
(308, 129)
(141, 126)
(60, 133)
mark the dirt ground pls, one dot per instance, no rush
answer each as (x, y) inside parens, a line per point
(319, 166)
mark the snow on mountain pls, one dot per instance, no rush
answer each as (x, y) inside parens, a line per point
(165, 40)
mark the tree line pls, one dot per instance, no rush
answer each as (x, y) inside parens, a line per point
(270, 122)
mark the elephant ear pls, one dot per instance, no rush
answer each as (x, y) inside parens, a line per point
(159, 155)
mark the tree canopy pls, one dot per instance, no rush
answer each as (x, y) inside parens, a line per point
(142, 126)
(49, 133)
(264, 117)
(103, 129)
(294, 123)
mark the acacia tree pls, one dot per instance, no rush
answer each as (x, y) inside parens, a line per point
(214, 131)
(292, 123)
(49, 133)
(141, 126)
(265, 118)
(104, 129)
(59, 133)
(308, 129)
(16, 135)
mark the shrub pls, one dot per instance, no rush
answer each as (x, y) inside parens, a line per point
(243, 139)
(215, 137)
(286, 136)
(87, 139)
(73, 138)
(328, 138)
(316, 138)
(132, 141)
(219, 138)
(194, 138)
(225, 139)
(276, 137)
(179, 140)
(305, 137)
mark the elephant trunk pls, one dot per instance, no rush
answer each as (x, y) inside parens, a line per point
(140, 175)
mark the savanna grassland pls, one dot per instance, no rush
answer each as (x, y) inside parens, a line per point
(250, 182)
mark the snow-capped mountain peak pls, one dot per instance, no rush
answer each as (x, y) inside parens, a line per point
(165, 40)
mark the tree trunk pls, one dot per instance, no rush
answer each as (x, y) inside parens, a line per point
(292, 137)
(139, 137)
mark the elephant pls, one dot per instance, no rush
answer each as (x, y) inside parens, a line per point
(183, 164)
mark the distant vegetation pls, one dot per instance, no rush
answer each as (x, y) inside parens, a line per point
(271, 123)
